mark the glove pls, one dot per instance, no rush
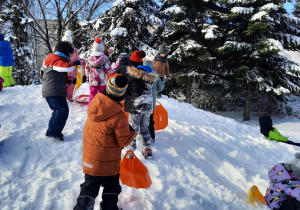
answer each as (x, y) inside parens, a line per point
(77, 62)
(74, 81)
(83, 79)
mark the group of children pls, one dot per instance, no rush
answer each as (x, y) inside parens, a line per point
(107, 129)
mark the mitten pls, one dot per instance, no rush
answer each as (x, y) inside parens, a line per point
(77, 62)
(74, 81)
(83, 79)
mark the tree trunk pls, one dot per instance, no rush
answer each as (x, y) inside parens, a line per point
(188, 93)
(247, 104)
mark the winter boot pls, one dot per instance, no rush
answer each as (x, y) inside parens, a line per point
(147, 153)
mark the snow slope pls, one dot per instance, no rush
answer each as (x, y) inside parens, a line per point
(201, 161)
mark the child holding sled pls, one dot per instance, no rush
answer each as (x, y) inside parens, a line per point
(96, 68)
(106, 132)
(283, 192)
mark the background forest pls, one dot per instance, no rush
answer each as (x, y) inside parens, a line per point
(224, 55)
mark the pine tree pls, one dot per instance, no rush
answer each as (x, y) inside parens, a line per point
(249, 59)
(127, 25)
(16, 22)
(296, 11)
(189, 33)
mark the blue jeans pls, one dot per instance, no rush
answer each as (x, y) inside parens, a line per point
(59, 116)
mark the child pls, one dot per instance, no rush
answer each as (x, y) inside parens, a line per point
(157, 87)
(161, 65)
(139, 103)
(270, 132)
(96, 68)
(55, 75)
(72, 75)
(122, 64)
(106, 132)
(1, 82)
(283, 192)
(6, 62)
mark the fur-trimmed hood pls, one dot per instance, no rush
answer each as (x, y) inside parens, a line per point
(141, 74)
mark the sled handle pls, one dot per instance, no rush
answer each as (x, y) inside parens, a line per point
(130, 154)
(158, 102)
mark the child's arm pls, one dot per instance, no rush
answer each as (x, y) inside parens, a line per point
(123, 133)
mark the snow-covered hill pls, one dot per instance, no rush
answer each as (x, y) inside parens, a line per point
(201, 161)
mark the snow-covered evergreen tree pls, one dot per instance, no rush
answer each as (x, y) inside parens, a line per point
(16, 22)
(128, 25)
(188, 32)
(249, 58)
(296, 11)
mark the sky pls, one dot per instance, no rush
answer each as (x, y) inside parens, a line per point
(289, 7)
(201, 160)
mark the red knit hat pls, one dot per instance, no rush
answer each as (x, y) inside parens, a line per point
(137, 56)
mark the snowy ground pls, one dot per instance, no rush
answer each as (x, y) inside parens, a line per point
(202, 161)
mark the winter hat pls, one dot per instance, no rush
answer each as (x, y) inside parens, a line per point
(98, 47)
(145, 68)
(163, 49)
(123, 55)
(137, 56)
(116, 88)
(149, 63)
(1, 37)
(67, 37)
(295, 165)
(64, 48)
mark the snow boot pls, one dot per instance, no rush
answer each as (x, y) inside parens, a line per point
(147, 153)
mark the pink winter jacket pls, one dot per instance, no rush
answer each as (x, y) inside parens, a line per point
(96, 69)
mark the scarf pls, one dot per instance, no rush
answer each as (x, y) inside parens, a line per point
(62, 55)
(162, 59)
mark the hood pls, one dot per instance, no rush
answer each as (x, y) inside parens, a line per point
(96, 61)
(102, 108)
(52, 59)
(141, 74)
(124, 61)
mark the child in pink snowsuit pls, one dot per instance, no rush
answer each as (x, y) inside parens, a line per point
(96, 68)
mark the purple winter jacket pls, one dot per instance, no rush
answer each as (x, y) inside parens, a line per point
(283, 185)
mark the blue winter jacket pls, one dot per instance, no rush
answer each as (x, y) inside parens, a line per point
(6, 54)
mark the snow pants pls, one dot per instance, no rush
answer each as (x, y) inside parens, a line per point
(94, 90)
(140, 122)
(89, 190)
(70, 90)
(59, 116)
(5, 73)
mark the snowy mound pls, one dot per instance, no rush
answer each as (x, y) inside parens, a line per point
(200, 161)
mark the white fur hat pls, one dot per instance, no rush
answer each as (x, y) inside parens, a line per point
(98, 47)
(68, 36)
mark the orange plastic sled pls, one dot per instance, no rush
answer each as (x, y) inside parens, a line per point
(133, 172)
(256, 197)
(82, 99)
(160, 117)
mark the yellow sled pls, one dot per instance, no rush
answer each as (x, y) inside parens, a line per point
(256, 197)
(79, 78)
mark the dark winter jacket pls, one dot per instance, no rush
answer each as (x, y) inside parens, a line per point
(122, 68)
(55, 75)
(139, 98)
(6, 54)
(105, 133)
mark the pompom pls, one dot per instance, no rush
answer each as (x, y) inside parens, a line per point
(141, 54)
(98, 40)
(121, 81)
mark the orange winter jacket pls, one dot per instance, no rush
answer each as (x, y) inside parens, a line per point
(105, 133)
(161, 68)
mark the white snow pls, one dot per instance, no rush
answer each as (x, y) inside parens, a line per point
(201, 160)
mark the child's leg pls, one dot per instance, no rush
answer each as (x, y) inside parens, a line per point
(101, 89)
(88, 192)
(70, 90)
(134, 121)
(144, 131)
(93, 93)
(110, 193)
(151, 127)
